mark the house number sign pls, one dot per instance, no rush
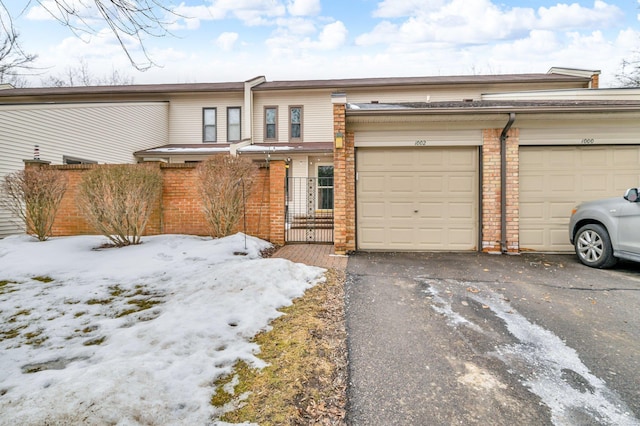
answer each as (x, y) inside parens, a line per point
(421, 142)
(588, 141)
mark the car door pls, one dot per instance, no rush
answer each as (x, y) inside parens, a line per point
(629, 228)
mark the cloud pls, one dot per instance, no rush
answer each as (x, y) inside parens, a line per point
(287, 43)
(332, 37)
(250, 12)
(574, 16)
(403, 8)
(226, 41)
(461, 22)
(303, 7)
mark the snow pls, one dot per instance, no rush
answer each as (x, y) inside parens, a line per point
(78, 349)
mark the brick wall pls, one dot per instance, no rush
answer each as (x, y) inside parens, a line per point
(179, 209)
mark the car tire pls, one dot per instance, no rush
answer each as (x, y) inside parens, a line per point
(593, 247)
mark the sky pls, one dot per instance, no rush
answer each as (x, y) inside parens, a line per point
(71, 354)
(236, 40)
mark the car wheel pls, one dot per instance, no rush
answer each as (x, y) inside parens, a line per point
(593, 247)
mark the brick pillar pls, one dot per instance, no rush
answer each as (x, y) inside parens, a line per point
(492, 195)
(277, 175)
(35, 163)
(513, 191)
(491, 190)
(343, 181)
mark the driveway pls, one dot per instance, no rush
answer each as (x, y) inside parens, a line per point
(468, 338)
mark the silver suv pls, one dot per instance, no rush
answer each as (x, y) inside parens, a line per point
(606, 230)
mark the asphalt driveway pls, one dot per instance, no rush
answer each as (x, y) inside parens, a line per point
(467, 338)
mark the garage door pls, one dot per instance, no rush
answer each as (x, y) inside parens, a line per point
(417, 199)
(555, 179)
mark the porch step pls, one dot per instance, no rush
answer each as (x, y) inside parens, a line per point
(320, 221)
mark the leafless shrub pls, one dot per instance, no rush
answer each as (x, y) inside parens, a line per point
(33, 195)
(118, 200)
(221, 182)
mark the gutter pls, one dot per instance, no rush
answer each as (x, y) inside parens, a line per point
(492, 109)
(503, 183)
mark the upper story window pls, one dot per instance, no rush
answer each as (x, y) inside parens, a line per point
(233, 124)
(270, 123)
(209, 127)
(295, 122)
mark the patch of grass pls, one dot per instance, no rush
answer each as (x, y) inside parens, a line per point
(79, 314)
(96, 341)
(11, 333)
(22, 312)
(99, 301)
(43, 279)
(35, 338)
(5, 287)
(140, 305)
(305, 381)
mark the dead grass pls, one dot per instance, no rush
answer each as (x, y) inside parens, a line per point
(305, 381)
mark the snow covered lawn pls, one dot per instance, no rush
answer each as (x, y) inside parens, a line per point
(135, 335)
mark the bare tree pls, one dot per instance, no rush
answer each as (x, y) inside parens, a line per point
(224, 182)
(126, 19)
(80, 75)
(33, 195)
(118, 200)
(13, 60)
(629, 76)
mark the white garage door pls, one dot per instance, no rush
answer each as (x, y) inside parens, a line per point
(417, 199)
(553, 180)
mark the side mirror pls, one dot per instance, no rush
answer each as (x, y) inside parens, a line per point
(631, 195)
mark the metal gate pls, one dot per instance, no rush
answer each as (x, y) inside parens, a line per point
(309, 210)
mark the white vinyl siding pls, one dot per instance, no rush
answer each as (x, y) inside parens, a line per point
(317, 114)
(598, 130)
(439, 94)
(185, 117)
(105, 133)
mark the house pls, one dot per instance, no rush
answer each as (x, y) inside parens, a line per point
(397, 163)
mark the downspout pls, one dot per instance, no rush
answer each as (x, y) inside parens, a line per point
(503, 182)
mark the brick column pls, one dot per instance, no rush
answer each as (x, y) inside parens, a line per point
(343, 180)
(513, 191)
(277, 175)
(492, 195)
(491, 190)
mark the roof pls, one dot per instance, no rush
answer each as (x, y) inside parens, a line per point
(412, 81)
(289, 85)
(215, 148)
(492, 106)
(126, 89)
(304, 147)
(186, 149)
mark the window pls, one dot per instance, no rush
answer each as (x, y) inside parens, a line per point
(270, 123)
(233, 123)
(295, 122)
(325, 187)
(75, 160)
(209, 125)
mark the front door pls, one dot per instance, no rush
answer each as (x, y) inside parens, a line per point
(325, 188)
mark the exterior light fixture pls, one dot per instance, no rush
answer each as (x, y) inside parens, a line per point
(339, 139)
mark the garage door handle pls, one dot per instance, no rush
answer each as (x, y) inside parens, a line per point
(415, 211)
